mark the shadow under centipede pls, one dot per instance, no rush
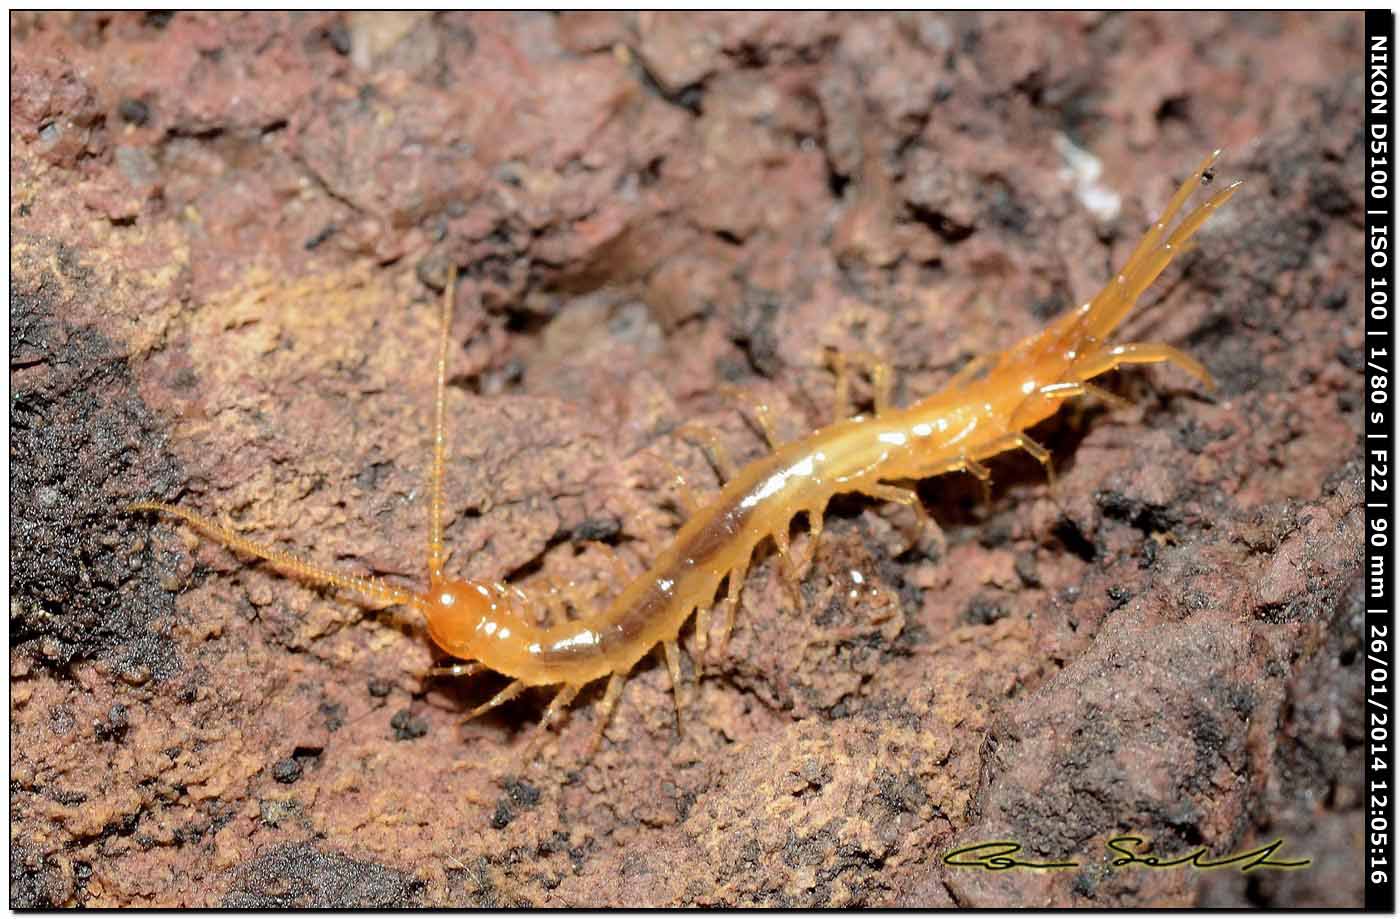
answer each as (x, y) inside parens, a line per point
(519, 716)
(456, 696)
(959, 500)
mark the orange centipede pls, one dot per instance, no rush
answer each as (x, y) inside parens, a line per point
(984, 410)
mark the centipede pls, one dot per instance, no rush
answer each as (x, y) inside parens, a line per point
(985, 409)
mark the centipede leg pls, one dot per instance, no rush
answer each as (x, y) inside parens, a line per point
(1142, 353)
(1083, 388)
(1058, 391)
(788, 574)
(561, 701)
(605, 709)
(1013, 441)
(731, 606)
(816, 525)
(685, 495)
(713, 446)
(841, 400)
(906, 496)
(1041, 454)
(702, 629)
(881, 380)
(762, 414)
(460, 669)
(981, 473)
(500, 698)
(673, 666)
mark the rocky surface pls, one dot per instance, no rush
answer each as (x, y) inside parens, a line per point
(228, 237)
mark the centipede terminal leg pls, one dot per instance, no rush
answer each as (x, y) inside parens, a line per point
(1152, 239)
(1151, 258)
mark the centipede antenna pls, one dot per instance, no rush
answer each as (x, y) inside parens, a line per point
(370, 587)
(436, 551)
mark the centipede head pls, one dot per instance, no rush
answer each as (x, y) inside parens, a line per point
(461, 614)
